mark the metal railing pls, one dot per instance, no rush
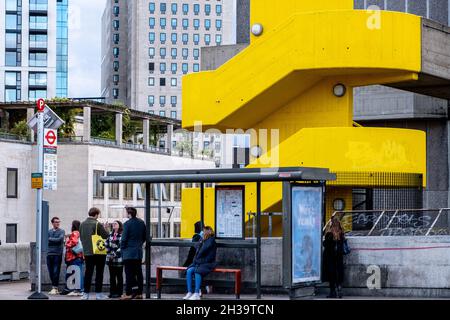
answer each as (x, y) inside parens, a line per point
(13, 137)
(399, 222)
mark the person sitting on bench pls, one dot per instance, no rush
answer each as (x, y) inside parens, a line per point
(203, 264)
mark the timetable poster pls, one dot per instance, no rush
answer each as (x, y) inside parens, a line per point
(230, 212)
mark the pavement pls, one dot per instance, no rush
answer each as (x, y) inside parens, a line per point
(20, 290)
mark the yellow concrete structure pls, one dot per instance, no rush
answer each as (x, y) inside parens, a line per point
(283, 82)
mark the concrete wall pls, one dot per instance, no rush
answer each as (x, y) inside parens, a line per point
(18, 210)
(15, 260)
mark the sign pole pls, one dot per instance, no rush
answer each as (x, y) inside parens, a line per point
(40, 169)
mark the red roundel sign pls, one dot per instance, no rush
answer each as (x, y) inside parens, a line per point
(40, 105)
(50, 138)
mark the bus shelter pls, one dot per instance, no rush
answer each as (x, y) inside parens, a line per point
(218, 176)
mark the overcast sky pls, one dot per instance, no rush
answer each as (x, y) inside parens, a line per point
(85, 47)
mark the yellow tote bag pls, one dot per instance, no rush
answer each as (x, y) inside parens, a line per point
(98, 243)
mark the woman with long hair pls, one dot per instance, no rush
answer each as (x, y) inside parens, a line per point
(333, 257)
(203, 264)
(114, 260)
(74, 257)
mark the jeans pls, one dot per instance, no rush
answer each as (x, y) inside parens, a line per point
(198, 280)
(78, 285)
(54, 268)
(116, 280)
(98, 262)
(134, 277)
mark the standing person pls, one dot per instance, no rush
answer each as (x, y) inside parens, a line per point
(133, 238)
(54, 253)
(204, 262)
(74, 257)
(88, 228)
(333, 257)
(114, 260)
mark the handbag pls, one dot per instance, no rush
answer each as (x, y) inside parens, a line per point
(347, 249)
(78, 248)
(98, 243)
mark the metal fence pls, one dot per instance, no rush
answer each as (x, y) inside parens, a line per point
(400, 222)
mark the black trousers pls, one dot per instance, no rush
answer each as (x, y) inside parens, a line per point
(116, 280)
(96, 262)
(134, 277)
(54, 268)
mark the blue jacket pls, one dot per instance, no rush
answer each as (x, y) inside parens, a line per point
(133, 238)
(205, 257)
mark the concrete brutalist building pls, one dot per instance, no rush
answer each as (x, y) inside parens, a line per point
(381, 106)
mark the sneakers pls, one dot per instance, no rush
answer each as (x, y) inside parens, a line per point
(195, 296)
(74, 294)
(54, 291)
(126, 297)
(85, 296)
(200, 293)
(187, 296)
(100, 296)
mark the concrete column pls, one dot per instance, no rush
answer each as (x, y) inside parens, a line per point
(169, 138)
(119, 128)
(30, 114)
(86, 124)
(146, 131)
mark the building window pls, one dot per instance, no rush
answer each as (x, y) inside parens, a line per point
(151, 37)
(196, 53)
(163, 8)
(162, 114)
(116, 11)
(116, 25)
(12, 22)
(37, 79)
(151, 67)
(177, 195)
(116, 93)
(219, 9)
(152, 7)
(116, 52)
(11, 5)
(196, 67)
(12, 59)
(185, 24)
(11, 183)
(114, 191)
(196, 9)
(151, 82)
(173, 53)
(162, 52)
(162, 82)
(185, 38)
(38, 59)
(116, 66)
(162, 101)
(173, 114)
(173, 101)
(38, 22)
(38, 5)
(185, 8)
(185, 68)
(174, 23)
(196, 24)
(151, 23)
(177, 230)
(173, 82)
(207, 9)
(98, 189)
(116, 38)
(11, 233)
(207, 24)
(162, 67)
(218, 25)
(116, 79)
(151, 101)
(185, 53)
(151, 52)
(163, 23)
(196, 39)
(173, 68)
(12, 86)
(162, 37)
(128, 191)
(207, 39)
(218, 39)
(174, 38)
(38, 41)
(174, 8)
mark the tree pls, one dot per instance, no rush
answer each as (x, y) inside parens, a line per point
(20, 129)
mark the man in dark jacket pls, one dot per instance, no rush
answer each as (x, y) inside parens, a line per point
(88, 228)
(133, 238)
(54, 253)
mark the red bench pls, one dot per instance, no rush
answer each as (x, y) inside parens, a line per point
(237, 277)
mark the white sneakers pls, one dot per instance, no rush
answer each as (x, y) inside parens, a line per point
(54, 291)
(85, 296)
(187, 296)
(192, 296)
(75, 294)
